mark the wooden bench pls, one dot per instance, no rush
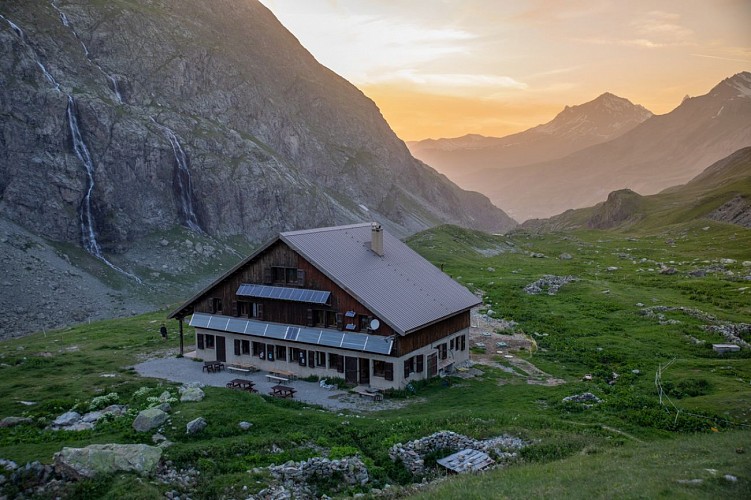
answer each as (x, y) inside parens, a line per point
(274, 378)
(242, 368)
(375, 396)
(284, 374)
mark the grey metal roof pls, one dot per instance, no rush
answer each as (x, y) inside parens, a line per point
(467, 460)
(315, 336)
(402, 288)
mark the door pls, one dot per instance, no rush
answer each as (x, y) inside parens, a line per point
(432, 365)
(350, 370)
(221, 351)
(364, 371)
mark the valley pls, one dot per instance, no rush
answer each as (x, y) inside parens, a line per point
(618, 323)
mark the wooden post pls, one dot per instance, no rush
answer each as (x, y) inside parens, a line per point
(181, 335)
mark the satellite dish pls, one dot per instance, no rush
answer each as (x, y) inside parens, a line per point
(374, 324)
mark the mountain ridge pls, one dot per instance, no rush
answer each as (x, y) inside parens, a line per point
(572, 129)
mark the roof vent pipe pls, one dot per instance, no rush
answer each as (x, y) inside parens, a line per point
(376, 239)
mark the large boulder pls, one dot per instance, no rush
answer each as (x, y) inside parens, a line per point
(196, 426)
(148, 419)
(13, 421)
(66, 419)
(191, 394)
(96, 459)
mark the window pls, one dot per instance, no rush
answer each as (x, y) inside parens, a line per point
(388, 371)
(442, 351)
(242, 347)
(336, 361)
(281, 275)
(209, 341)
(420, 360)
(300, 355)
(281, 353)
(259, 349)
(323, 318)
(464, 342)
(237, 347)
(216, 305)
(246, 309)
(270, 352)
(199, 340)
(451, 344)
(245, 347)
(379, 368)
(364, 323)
(311, 359)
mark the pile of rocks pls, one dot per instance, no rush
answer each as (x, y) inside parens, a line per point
(180, 480)
(732, 332)
(296, 476)
(412, 454)
(585, 398)
(550, 282)
(74, 421)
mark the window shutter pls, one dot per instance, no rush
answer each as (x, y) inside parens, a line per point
(237, 347)
(464, 342)
(259, 311)
(199, 339)
(311, 359)
(235, 309)
(310, 317)
(267, 276)
(389, 371)
(339, 321)
(420, 361)
(300, 277)
(406, 368)
(451, 344)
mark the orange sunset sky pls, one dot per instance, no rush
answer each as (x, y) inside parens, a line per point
(445, 68)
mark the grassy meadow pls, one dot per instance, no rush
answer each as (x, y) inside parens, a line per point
(629, 445)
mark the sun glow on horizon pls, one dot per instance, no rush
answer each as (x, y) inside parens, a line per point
(449, 68)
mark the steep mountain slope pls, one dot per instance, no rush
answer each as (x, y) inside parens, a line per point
(145, 144)
(722, 193)
(574, 128)
(663, 151)
(120, 118)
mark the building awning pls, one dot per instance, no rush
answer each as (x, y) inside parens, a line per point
(376, 344)
(284, 293)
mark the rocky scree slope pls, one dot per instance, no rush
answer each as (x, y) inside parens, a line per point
(121, 118)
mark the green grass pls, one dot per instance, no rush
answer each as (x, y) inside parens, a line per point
(581, 330)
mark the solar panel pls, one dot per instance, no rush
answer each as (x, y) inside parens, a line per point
(313, 336)
(284, 293)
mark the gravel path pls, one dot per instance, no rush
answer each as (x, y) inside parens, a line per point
(185, 370)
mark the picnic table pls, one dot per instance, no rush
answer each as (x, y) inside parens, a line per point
(213, 366)
(241, 384)
(282, 391)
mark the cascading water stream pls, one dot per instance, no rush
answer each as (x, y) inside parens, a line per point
(88, 235)
(65, 22)
(183, 180)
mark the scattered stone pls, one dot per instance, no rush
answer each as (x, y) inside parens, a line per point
(731, 478)
(8, 465)
(727, 261)
(550, 282)
(692, 482)
(195, 426)
(164, 243)
(537, 255)
(639, 304)
(77, 463)
(491, 269)
(636, 371)
(13, 421)
(148, 419)
(245, 425)
(165, 407)
(612, 268)
(746, 263)
(92, 417)
(158, 438)
(565, 256)
(667, 270)
(66, 419)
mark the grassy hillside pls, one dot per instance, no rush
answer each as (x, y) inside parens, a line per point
(628, 445)
(717, 185)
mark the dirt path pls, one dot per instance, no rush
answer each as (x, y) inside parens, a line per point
(484, 331)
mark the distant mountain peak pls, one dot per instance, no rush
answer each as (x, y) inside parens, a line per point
(740, 82)
(601, 116)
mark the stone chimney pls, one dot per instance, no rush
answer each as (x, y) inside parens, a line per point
(376, 239)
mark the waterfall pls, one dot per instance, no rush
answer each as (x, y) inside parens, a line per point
(19, 32)
(88, 234)
(64, 20)
(183, 180)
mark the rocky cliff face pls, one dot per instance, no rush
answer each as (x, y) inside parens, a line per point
(122, 118)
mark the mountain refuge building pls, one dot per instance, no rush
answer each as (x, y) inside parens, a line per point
(349, 301)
